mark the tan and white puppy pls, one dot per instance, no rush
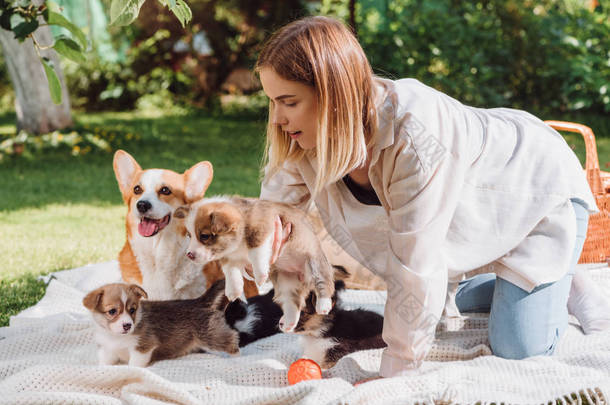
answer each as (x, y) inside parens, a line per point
(135, 331)
(240, 231)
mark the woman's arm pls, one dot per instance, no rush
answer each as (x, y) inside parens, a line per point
(286, 185)
(423, 193)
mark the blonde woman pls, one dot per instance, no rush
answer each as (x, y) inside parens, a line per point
(422, 189)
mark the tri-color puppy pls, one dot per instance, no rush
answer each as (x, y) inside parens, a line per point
(326, 338)
(154, 253)
(240, 231)
(136, 331)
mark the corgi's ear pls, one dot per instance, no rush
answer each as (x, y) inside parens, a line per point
(197, 179)
(215, 297)
(125, 170)
(138, 291)
(223, 222)
(92, 300)
(340, 272)
(181, 212)
(310, 304)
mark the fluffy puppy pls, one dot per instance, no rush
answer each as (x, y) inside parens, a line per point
(327, 338)
(138, 332)
(239, 231)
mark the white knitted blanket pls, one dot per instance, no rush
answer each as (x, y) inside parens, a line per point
(47, 355)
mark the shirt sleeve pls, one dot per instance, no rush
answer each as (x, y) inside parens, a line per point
(286, 185)
(423, 191)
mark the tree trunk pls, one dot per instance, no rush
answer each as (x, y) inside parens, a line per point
(352, 16)
(36, 113)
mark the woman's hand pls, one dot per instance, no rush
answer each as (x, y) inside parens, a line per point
(367, 380)
(280, 236)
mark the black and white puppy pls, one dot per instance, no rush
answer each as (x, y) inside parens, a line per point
(326, 338)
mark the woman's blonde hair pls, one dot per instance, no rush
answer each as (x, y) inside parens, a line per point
(323, 53)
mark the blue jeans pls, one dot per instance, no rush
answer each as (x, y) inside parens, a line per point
(523, 324)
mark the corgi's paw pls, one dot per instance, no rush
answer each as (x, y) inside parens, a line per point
(106, 358)
(234, 290)
(261, 280)
(261, 275)
(323, 306)
(288, 323)
(139, 359)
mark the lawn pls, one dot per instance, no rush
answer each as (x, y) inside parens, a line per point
(58, 211)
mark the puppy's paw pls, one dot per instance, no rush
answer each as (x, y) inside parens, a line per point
(233, 291)
(106, 358)
(260, 278)
(139, 359)
(288, 323)
(323, 306)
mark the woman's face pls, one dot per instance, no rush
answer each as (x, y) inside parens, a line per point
(295, 107)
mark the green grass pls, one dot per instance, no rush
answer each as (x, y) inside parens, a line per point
(58, 211)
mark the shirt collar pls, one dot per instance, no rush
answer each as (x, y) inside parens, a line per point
(386, 113)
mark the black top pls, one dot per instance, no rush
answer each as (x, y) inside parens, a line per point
(362, 194)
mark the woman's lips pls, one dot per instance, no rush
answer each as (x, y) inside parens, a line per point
(294, 135)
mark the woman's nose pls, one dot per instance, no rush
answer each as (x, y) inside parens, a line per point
(279, 118)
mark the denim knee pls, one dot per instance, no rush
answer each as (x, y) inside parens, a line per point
(520, 346)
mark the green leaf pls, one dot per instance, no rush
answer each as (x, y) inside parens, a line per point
(24, 29)
(58, 19)
(123, 12)
(53, 6)
(70, 49)
(54, 84)
(182, 12)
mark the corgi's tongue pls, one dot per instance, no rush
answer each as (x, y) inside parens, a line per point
(149, 227)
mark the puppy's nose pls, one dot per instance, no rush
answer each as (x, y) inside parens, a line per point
(190, 255)
(143, 206)
(126, 327)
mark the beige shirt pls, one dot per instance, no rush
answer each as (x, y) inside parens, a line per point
(461, 188)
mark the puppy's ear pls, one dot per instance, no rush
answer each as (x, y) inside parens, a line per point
(340, 273)
(181, 212)
(215, 297)
(222, 222)
(197, 179)
(138, 291)
(125, 170)
(310, 304)
(92, 300)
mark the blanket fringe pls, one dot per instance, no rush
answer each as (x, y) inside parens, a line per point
(588, 396)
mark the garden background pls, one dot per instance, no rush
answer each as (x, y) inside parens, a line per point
(173, 95)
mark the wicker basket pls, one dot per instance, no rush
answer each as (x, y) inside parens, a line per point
(597, 244)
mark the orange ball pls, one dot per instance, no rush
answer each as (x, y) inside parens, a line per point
(304, 369)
